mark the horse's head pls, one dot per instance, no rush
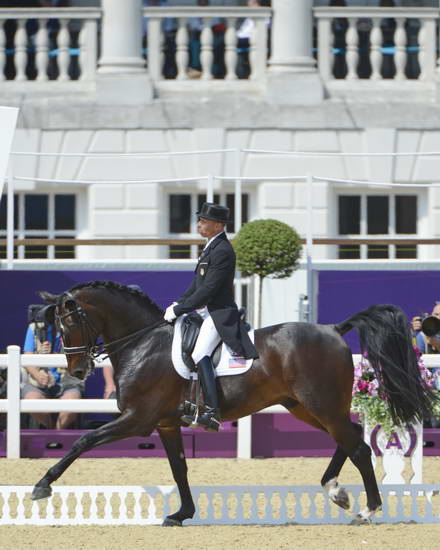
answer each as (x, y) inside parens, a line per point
(79, 327)
(118, 313)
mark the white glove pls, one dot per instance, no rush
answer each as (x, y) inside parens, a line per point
(169, 314)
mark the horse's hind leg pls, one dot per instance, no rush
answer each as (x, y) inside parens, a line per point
(350, 441)
(171, 438)
(329, 481)
(125, 425)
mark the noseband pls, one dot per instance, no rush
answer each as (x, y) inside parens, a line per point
(92, 349)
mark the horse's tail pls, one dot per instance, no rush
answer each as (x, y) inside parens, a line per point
(386, 339)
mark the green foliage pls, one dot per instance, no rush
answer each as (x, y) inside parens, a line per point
(268, 248)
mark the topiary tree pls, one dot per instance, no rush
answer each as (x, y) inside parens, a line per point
(267, 248)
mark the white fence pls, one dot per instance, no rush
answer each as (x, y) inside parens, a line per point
(14, 405)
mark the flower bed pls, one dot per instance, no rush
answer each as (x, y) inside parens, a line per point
(370, 403)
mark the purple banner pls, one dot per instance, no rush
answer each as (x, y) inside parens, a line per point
(345, 293)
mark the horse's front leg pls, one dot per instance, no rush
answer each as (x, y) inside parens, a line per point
(171, 437)
(124, 426)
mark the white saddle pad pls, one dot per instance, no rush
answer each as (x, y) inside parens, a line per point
(228, 365)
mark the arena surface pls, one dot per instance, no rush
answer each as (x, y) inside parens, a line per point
(155, 471)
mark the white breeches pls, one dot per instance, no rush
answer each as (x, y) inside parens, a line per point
(207, 340)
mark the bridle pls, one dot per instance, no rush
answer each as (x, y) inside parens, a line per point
(93, 349)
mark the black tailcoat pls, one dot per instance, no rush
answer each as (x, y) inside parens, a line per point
(213, 286)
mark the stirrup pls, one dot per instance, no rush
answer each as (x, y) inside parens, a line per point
(208, 421)
(189, 413)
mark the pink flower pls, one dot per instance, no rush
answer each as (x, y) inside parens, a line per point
(363, 385)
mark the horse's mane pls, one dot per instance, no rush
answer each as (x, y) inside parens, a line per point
(141, 296)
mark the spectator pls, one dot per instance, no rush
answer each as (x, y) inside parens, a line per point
(195, 27)
(427, 344)
(109, 383)
(48, 382)
(169, 29)
(244, 35)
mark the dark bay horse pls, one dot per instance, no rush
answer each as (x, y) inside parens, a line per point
(307, 368)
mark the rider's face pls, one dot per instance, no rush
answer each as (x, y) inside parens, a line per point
(208, 228)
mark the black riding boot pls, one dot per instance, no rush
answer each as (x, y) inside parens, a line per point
(209, 419)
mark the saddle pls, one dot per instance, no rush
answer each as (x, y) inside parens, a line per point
(190, 331)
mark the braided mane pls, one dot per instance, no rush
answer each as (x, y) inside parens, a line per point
(121, 288)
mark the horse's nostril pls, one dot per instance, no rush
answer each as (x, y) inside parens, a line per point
(78, 373)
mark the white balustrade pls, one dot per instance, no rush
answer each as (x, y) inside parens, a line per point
(42, 51)
(424, 40)
(47, 42)
(158, 24)
(206, 53)
(376, 53)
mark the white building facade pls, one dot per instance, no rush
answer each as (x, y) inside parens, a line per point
(121, 78)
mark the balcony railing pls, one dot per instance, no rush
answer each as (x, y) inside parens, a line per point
(384, 46)
(367, 49)
(183, 42)
(48, 44)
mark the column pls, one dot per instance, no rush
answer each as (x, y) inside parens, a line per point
(292, 27)
(121, 37)
(292, 75)
(122, 77)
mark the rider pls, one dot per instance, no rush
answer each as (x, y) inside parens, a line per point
(211, 293)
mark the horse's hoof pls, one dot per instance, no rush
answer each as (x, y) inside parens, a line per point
(342, 499)
(359, 520)
(171, 522)
(40, 492)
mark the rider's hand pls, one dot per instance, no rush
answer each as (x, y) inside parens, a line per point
(169, 314)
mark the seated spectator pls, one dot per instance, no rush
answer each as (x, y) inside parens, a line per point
(195, 27)
(429, 344)
(169, 30)
(244, 35)
(48, 382)
(426, 344)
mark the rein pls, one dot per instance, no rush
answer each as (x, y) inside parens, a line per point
(93, 350)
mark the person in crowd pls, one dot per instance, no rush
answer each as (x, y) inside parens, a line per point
(426, 344)
(211, 293)
(244, 35)
(195, 27)
(169, 29)
(48, 382)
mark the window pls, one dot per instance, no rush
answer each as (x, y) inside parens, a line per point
(364, 215)
(41, 216)
(183, 223)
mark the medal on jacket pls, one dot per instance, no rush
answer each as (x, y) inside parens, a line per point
(202, 271)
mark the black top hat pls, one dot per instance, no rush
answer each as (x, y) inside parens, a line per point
(212, 211)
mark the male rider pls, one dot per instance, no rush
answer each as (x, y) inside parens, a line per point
(211, 293)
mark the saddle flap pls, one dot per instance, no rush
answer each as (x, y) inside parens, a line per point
(190, 331)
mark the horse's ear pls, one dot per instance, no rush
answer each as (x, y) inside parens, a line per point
(48, 297)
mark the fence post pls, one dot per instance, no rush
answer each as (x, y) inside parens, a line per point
(210, 189)
(237, 220)
(309, 245)
(13, 420)
(244, 437)
(10, 221)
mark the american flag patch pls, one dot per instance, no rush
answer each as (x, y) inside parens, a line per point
(237, 362)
